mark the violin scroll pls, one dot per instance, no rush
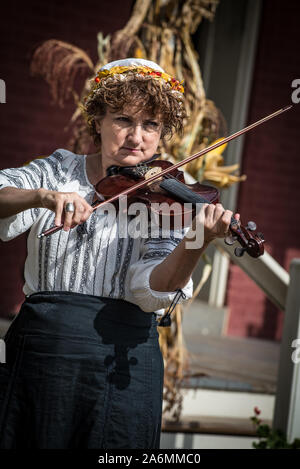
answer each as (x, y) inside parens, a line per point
(252, 243)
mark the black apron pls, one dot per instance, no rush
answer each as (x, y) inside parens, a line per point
(81, 371)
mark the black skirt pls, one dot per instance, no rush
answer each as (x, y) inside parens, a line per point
(81, 372)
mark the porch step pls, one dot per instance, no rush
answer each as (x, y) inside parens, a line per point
(212, 425)
(224, 362)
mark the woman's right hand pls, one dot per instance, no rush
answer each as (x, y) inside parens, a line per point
(56, 201)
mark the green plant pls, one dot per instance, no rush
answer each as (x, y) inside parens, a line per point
(270, 438)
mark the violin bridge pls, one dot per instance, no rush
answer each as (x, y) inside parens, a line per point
(153, 172)
(154, 186)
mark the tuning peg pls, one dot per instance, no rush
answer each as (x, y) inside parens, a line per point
(230, 240)
(239, 251)
(251, 226)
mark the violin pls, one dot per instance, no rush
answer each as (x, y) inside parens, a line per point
(172, 191)
(155, 182)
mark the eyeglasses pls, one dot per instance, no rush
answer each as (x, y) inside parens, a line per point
(148, 125)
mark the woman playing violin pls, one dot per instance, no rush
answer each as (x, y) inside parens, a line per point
(84, 367)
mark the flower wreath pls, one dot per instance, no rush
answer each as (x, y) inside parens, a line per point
(141, 70)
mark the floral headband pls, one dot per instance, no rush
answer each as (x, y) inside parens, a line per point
(140, 66)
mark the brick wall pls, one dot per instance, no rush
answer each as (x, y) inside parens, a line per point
(30, 123)
(271, 194)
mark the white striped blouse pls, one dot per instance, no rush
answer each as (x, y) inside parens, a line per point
(92, 258)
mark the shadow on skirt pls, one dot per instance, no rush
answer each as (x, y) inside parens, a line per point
(81, 372)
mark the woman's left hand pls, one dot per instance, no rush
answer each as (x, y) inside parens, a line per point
(215, 221)
(175, 270)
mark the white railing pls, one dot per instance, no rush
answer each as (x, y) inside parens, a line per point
(264, 271)
(283, 289)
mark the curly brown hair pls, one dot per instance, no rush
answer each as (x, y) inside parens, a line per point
(151, 95)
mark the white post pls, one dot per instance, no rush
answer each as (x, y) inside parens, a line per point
(264, 271)
(2, 351)
(287, 403)
(234, 151)
(2, 92)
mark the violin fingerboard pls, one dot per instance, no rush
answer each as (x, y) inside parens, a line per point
(178, 189)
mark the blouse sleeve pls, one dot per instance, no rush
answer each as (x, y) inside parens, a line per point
(154, 251)
(46, 172)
